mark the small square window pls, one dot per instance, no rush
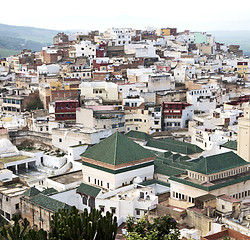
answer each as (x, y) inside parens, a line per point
(102, 208)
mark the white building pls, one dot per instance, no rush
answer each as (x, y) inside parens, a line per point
(118, 36)
(105, 90)
(139, 75)
(207, 97)
(160, 82)
(85, 49)
(141, 50)
(48, 69)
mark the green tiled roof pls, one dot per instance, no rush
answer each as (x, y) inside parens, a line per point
(231, 145)
(218, 163)
(155, 181)
(213, 187)
(49, 191)
(48, 202)
(162, 166)
(174, 146)
(138, 135)
(117, 149)
(31, 192)
(88, 190)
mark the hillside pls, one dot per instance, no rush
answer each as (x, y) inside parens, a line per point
(14, 39)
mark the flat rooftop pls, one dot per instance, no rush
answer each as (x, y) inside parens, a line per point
(68, 178)
(129, 195)
(13, 158)
(14, 189)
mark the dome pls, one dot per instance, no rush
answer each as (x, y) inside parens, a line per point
(6, 147)
(5, 143)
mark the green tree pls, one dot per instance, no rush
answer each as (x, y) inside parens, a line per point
(66, 225)
(70, 224)
(163, 228)
(35, 104)
(15, 232)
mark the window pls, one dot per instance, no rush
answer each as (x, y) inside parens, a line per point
(7, 216)
(107, 185)
(89, 179)
(223, 206)
(17, 206)
(102, 208)
(113, 210)
(84, 200)
(60, 140)
(7, 199)
(138, 212)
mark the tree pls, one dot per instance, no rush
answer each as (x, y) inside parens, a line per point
(70, 224)
(35, 104)
(162, 228)
(66, 225)
(20, 231)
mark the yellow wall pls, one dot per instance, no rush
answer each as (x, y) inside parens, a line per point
(165, 32)
(142, 126)
(242, 69)
(55, 85)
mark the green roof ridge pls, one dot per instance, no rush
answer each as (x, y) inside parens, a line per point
(31, 192)
(117, 149)
(138, 135)
(48, 202)
(213, 187)
(218, 163)
(174, 146)
(230, 144)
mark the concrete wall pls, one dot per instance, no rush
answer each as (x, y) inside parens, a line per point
(74, 152)
(199, 221)
(115, 180)
(36, 215)
(54, 162)
(71, 198)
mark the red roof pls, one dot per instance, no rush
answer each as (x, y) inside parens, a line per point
(228, 198)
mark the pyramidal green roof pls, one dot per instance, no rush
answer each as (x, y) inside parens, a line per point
(48, 202)
(88, 190)
(218, 163)
(31, 192)
(138, 135)
(117, 149)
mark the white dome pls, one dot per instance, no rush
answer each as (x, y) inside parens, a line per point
(6, 147)
(5, 143)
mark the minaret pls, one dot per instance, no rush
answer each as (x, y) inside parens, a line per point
(243, 145)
